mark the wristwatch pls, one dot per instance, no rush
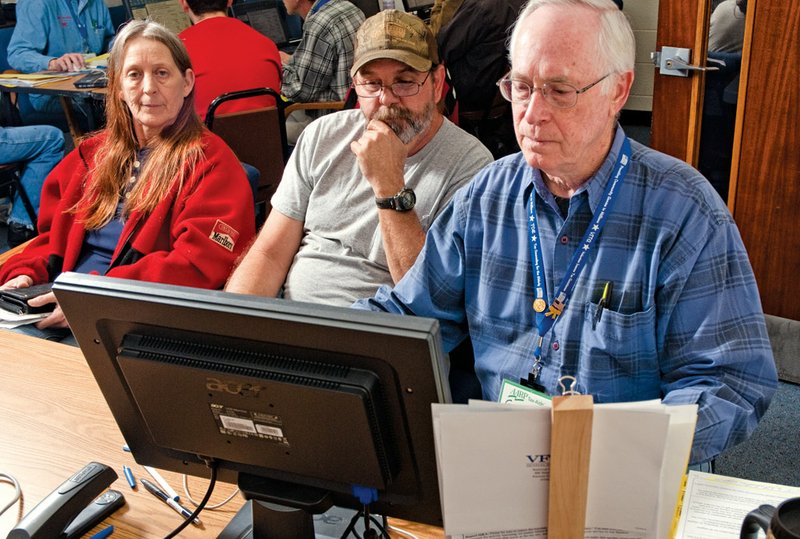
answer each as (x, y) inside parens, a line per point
(402, 201)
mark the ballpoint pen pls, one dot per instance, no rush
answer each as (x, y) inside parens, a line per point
(162, 483)
(129, 476)
(161, 495)
(605, 299)
(102, 534)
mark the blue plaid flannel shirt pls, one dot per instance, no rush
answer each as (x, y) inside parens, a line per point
(684, 323)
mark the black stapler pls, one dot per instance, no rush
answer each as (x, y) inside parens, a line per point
(73, 508)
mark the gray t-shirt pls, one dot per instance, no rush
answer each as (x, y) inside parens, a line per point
(341, 257)
(726, 29)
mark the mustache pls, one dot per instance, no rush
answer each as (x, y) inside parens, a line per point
(405, 123)
(396, 117)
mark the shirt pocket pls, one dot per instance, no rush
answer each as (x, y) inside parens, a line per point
(620, 356)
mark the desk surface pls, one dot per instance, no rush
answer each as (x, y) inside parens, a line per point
(54, 420)
(61, 88)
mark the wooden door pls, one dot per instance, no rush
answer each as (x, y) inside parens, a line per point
(764, 195)
(677, 101)
(765, 177)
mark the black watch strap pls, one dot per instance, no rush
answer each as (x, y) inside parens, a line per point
(402, 201)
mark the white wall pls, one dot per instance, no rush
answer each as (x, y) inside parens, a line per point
(643, 15)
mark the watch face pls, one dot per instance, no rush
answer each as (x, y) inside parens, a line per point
(402, 201)
(405, 200)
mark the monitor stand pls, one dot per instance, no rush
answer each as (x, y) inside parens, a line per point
(280, 510)
(271, 521)
(256, 520)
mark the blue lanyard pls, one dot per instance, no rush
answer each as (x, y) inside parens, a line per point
(547, 315)
(79, 23)
(319, 6)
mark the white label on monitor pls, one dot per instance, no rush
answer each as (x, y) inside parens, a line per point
(248, 423)
(236, 423)
(269, 431)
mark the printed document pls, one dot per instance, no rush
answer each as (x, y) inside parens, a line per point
(493, 462)
(714, 506)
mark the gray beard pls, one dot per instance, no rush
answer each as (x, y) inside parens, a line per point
(405, 124)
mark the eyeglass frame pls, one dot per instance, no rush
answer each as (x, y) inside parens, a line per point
(383, 87)
(544, 90)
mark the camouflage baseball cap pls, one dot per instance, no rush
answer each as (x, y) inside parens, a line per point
(395, 35)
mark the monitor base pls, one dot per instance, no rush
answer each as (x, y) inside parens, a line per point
(275, 521)
(269, 521)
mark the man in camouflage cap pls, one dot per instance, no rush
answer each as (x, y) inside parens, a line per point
(398, 46)
(363, 186)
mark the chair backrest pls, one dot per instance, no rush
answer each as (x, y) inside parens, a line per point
(257, 137)
(5, 255)
(331, 106)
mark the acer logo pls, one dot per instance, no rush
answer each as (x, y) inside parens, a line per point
(234, 388)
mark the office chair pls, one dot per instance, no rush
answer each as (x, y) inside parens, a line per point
(315, 105)
(257, 137)
(11, 185)
(13, 251)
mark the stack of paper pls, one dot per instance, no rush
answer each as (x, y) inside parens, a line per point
(94, 62)
(29, 79)
(714, 506)
(493, 462)
(10, 320)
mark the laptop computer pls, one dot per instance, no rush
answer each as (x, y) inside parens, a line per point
(265, 17)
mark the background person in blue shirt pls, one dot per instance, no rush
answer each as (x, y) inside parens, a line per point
(54, 35)
(40, 147)
(683, 321)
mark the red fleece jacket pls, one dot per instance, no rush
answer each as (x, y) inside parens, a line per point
(191, 238)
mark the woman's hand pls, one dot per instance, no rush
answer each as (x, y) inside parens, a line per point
(56, 318)
(21, 281)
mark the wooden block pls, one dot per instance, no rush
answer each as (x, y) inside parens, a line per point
(570, 445)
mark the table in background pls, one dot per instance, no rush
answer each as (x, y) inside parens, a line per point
(54, 420)
(66, 91)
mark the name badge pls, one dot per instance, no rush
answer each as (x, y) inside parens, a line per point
(512, 392)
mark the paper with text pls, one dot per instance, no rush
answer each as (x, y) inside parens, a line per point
(493, 462)
(714, 506)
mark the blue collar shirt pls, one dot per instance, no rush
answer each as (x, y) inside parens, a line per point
(45, 29)
(684, 323)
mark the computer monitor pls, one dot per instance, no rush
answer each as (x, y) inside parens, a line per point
(301, 405)
(367, 7)
(269, 18)
(421, 7)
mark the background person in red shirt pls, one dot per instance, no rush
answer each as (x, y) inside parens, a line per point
(227, 56)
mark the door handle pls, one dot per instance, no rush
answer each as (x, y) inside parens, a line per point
(674, 61)
(679, 64)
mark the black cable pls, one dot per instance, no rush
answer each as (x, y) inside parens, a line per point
(382, 526)
(352, 526)
(212, 482)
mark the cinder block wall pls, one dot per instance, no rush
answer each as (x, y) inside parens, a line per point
(784, 335)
